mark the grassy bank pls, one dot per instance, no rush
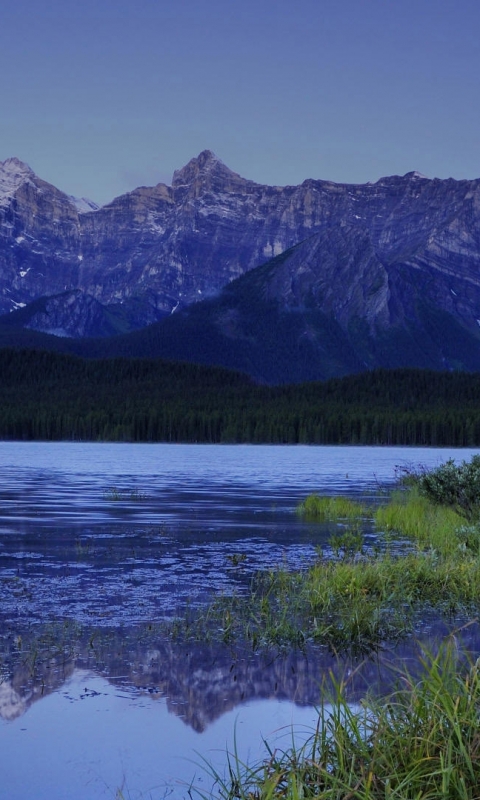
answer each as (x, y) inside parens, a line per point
(420, 743)
(353, 599)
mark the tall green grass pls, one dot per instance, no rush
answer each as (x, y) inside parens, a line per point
(420, 743)
(426, 524)
(322, 509)
(351, 605)
(356, 600)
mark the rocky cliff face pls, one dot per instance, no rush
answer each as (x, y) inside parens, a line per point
(363, 254)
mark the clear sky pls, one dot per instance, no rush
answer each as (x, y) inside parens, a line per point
(100, 96)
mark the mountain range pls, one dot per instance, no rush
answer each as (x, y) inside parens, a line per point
(285, 283)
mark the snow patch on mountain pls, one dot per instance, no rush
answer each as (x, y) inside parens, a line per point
(83, 204)
(416, 174)
(13, 173)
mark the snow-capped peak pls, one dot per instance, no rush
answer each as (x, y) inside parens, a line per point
(13, 173)
(15, 166)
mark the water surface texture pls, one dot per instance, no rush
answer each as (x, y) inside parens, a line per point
(128, 532)
(98, 542)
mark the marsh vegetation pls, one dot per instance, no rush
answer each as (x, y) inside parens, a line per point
(423, 740)
(355, 596)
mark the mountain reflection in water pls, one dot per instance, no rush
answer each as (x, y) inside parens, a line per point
(200, 682)
(99, 543)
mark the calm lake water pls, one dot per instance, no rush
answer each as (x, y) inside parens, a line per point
(98, 542)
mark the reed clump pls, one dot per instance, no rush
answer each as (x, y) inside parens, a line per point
(348, 605)
(323, 509)
(116, 494)
(427, 525)
(423, 741)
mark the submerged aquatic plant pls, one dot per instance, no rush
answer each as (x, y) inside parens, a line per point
(237, 558)
(347, 543)
(113, 493)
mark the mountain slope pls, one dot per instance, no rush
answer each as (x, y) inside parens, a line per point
(325, 308)
(170, 245)
(350, 277)
(299, 318)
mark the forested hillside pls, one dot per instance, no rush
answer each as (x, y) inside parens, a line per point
(48, 396)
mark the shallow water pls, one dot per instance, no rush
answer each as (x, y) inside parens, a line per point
(124, 532)
(114, 537)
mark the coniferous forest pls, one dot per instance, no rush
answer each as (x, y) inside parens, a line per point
(48, 396)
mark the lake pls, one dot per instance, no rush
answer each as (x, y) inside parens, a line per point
(100, 542)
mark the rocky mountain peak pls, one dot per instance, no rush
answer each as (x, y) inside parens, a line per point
(13, 173)
(368, 261)
(203, 169)
(416, 175)
(14, 165)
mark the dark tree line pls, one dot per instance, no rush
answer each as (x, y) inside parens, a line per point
(48, 396)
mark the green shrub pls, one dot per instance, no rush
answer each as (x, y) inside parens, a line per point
(456, 486)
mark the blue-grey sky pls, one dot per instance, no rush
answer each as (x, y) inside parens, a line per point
(100, 96)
